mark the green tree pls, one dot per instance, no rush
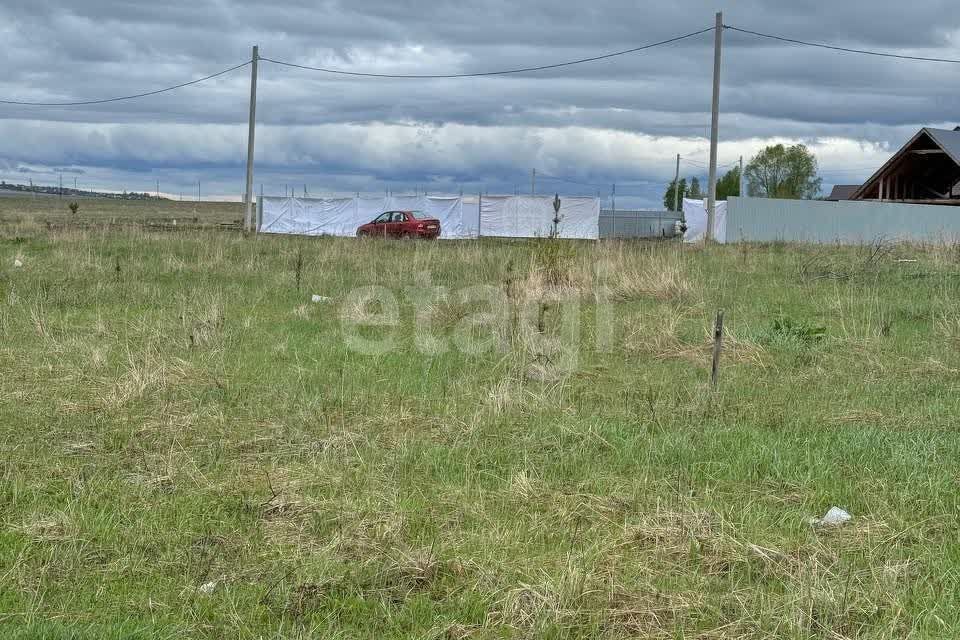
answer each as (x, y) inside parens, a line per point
(695, 193)
(729, 184)
(668, 195)
(783, 172)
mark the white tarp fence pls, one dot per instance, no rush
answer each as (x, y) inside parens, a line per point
(460, 217)
(695, 214)
(532, 217)
(342, 216)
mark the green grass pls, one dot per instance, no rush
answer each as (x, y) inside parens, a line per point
(192, 418)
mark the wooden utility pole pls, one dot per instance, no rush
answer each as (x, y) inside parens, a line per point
(251, 132)
(533, 182)
(714, 126)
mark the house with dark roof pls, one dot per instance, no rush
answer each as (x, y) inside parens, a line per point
(842, 192)
(925, 171)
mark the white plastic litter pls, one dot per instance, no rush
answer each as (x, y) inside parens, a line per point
(315, 298)
(835, 516)
(207, 587)
(17, 263)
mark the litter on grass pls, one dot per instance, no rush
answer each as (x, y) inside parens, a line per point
(17, 263)
(207, 587)
(315, 298)
(835, 516)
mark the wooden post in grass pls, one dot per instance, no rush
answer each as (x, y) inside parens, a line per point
(717, 346)
(556, 216)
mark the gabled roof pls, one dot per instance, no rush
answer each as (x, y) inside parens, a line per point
(842, 192)
(948, 141)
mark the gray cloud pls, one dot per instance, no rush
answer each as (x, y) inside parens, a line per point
(346, 134)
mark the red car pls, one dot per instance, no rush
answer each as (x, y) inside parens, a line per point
(401, 224)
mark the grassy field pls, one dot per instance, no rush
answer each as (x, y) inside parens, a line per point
(514, 440)
(54, 213)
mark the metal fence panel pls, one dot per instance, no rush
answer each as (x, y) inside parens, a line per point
(637, 224)
(845, 222)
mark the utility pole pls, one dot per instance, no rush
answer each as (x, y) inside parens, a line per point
(676, 188)
(714, 126)
(613, 205)
(198, 191)
(61, 186)
(533, 182)
(251, 131)
(158, 189)
(740, 190)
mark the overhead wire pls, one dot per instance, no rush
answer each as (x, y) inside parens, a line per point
(569, 181)
(129, 97)
(502, 72)
(866, 52)
(544, 67)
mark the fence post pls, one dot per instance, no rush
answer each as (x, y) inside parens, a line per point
(717, 346)
(613, 203)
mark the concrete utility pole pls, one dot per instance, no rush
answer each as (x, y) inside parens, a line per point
(613, 206)
(251, 131)
(740, 190)
(676, 187)
(533, 182)
(714, 126)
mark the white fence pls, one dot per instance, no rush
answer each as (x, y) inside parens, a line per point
(850, 222)
(460, 217)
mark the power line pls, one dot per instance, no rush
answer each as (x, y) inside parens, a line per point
(490, 73)
(567, 180)
(130, 97)
(881, 54)
(702, 165)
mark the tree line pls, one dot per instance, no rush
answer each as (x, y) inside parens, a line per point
(778, 171)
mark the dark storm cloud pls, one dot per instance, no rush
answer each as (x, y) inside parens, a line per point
(620, 119)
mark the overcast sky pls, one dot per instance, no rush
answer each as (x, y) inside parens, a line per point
(620, 120)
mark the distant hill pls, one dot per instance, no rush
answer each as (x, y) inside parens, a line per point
(8, 189)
